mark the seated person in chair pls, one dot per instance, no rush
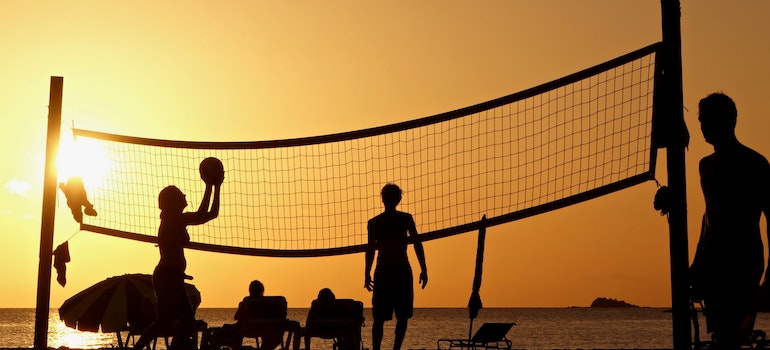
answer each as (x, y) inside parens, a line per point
(338, 319)
(260, 317)
(253, 306)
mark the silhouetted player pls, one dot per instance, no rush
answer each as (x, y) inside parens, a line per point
(393, 283)
(168, 278)
(729, 261)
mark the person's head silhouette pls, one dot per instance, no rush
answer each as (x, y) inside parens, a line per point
(171, 198)
(391, 196)
(256, 288)
(326, 294)
(717, 115)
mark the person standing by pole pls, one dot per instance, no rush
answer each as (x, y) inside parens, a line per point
(729, 261)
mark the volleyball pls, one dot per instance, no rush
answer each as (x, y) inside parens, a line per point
(212, 171)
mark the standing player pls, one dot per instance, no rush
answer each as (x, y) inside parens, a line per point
(392, 287)
(172, 302)
(729, 262)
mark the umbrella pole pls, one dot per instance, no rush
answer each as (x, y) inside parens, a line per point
(470, 331)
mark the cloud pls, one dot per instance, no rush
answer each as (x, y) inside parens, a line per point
(17, 187)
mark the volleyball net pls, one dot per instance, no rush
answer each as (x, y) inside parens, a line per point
(567, 141)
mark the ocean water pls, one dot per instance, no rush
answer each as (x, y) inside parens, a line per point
(537, 328)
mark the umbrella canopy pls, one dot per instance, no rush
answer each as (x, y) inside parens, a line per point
(114, 303)
(474, 302)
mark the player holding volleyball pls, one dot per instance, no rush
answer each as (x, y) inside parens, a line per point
(168, 278)
(392, 287)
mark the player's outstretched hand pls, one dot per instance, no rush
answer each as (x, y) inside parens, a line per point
(423, 279)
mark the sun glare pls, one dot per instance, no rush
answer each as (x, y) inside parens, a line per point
(59, 335)
(82, 157)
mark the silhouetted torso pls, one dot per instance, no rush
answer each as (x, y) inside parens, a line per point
(389, 232)
(735, 186)
(172, 237)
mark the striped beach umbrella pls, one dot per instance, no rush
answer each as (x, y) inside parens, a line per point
(116, 303)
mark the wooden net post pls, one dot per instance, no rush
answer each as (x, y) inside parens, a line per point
(48, 215)
(676, 143)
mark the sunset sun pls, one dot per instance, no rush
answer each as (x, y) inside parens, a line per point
(81, 157)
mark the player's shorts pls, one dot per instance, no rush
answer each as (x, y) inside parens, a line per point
(393, 293)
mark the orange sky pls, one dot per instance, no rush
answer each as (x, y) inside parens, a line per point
(256, 70)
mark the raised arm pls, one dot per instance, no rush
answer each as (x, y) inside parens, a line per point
(204, 214)
(215, 203)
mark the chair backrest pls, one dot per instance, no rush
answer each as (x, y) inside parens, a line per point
(491, 332)
(264, 308)
(266, 318)
(336, 309)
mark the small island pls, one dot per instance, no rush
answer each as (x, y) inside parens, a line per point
(608, 302)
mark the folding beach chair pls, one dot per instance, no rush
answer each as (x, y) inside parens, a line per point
(338, 319)
(268, 319)
(751, 338)
(488, 336)
(267, 322)
(199, 336)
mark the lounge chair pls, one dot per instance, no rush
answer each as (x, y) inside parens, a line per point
(258, 329)
(268, 318)
(488, 336)
(338, 319)
(199, 336)
(751, 338)
(146, 316)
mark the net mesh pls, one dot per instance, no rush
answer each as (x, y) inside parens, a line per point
(537, 150)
